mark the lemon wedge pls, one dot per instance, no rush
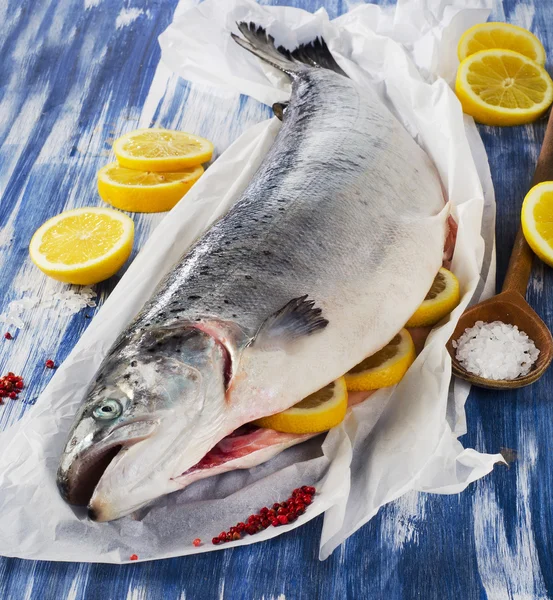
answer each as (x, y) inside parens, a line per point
(537, 220)
(502, 87)
(385, 368)
(441, 299)
(161, 150)
(487, 36)
(318, 412)
(144, 191)
(83, 246)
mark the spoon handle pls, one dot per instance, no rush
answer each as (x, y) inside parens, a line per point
(520, 264)
(544, 168)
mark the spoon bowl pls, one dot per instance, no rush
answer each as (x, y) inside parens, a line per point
(510, 305)
(511, 308)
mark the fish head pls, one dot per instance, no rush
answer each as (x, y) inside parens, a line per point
(145, 400)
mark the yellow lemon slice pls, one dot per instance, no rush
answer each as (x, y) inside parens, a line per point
(442, 298)
(385, 368)
(318, 412)
(144, 191)
(83, 246)
(537, 220)
(161, 150)
(502, 87)
(487, 36)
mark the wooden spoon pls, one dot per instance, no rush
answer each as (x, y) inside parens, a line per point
(510, 305)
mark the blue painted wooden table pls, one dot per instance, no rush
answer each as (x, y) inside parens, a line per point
(74, 75)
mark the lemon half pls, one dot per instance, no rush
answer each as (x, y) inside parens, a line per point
(441, 299)
(537, 220)
(318, 412)
(161, 150)
(83, 246)
(487, 36)
(502, 87)
(144, 191)
(385, 368)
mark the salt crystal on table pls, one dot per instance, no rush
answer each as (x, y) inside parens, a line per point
(87, 291)
(28, 302)
(66, 303)
(497, 351)
(11, 319)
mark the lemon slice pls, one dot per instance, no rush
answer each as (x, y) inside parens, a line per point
(537, 220)
(385, 368)
(486, 36)
(144, 191)
(442, 298)
(83, 246)
(318, 412)
(161, 150)
(502, 87)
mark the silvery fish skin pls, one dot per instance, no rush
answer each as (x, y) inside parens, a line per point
(328, 252)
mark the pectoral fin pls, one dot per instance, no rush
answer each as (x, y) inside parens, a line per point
(293, 321)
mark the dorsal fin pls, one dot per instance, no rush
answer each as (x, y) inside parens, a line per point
(279, 108)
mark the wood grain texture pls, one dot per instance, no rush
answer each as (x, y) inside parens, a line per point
(75, 74)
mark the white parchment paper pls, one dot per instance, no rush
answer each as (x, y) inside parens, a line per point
(402, 438)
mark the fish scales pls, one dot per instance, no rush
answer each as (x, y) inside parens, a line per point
(274, 241)
(347, 209)
(300, 222)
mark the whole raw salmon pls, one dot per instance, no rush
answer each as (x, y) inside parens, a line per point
(328, 252)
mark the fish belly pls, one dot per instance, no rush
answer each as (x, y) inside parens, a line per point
(368, 237)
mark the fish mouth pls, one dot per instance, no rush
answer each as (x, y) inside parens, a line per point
(81, 472)
(78, 485)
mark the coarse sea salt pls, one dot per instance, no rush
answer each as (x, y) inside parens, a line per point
(71, 301)
(68, 302)
(497, 351)
(13, 316)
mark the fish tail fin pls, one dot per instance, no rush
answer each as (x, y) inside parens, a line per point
(259, 42)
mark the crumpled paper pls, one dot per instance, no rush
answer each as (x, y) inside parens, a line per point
(403, 438)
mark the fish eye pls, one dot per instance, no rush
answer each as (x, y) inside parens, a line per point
(107, 410)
